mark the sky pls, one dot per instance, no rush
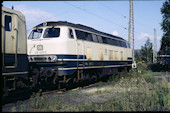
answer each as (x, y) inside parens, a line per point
(107, 16)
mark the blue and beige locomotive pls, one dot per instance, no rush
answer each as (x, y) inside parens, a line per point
(63, 52)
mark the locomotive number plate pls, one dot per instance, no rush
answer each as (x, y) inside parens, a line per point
(39, 47)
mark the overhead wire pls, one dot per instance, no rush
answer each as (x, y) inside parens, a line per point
(105, 19)
(112, 10)
(89, 12)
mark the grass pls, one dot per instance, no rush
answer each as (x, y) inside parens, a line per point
(138, 90)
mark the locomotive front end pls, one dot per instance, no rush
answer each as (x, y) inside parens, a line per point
(47, 46)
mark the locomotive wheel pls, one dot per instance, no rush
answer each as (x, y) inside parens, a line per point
(87, 79)
(94, 78)
(35, 76)
(70, 84)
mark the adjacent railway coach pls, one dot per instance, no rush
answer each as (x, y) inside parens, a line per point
(63, 51)
(13, 49)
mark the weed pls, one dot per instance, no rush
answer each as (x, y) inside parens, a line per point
(13, 109)
(22, 108)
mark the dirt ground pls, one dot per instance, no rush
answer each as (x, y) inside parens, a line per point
(72, 97)
(96, 93)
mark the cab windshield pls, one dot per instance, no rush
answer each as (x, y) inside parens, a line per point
(51, 33)
(35, 34)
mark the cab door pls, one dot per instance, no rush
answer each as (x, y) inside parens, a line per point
(80, 48)
(9, 40)
(80, 53)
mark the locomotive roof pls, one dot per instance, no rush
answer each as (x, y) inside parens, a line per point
(80, 26)
(8, 10)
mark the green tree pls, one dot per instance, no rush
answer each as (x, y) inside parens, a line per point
(137, 55)
(147, 51)
(165, 42)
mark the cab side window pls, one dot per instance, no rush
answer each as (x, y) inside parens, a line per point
(94, 38)
(80, 35)
(71, 33)
(8, 23)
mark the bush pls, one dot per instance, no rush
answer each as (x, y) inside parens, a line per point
(158, 67)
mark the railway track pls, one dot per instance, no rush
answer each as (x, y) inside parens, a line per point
(26, 93)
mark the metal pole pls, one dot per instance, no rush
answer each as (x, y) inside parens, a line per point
(131, 13)
(155, 47)
(133, 33)
(129, 33)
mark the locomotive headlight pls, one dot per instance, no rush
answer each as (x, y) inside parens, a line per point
(30, 58)
(53, 58)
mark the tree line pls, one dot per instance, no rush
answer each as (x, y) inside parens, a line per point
(145, 54)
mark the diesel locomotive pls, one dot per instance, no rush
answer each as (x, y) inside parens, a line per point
(60, 52)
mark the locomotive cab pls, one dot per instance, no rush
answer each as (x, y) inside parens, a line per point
(49, 41)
